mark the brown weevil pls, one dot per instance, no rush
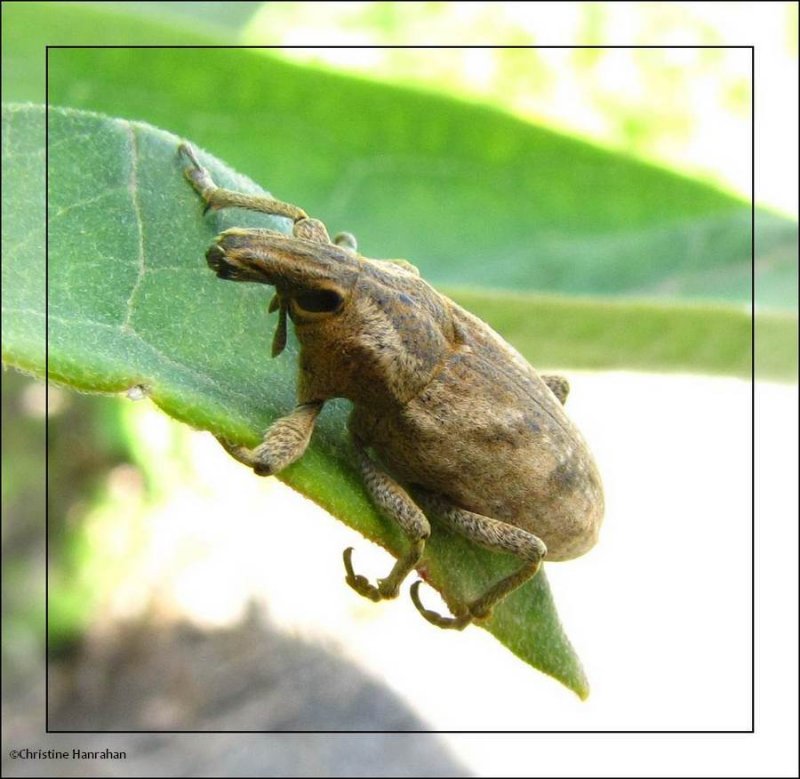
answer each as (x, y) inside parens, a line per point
(448, 420)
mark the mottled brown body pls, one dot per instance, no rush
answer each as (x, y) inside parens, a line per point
(488, 434)
(447, 417)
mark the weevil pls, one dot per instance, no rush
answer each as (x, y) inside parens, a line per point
(448, 420)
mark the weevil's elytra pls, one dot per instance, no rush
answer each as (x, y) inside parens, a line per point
(448, 420)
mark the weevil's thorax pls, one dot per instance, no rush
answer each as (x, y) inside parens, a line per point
(384, 346)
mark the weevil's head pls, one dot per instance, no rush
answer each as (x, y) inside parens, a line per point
(369, 329)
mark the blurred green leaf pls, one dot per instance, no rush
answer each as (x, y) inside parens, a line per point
(132, 304)
(221, 18)
(29, 27)
(599, 333)
(476, 197)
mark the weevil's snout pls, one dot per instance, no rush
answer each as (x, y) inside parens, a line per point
(281, 261)
(223, 259)
(215, 257)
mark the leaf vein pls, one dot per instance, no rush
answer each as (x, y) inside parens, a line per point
(85, 202)
(133, 188)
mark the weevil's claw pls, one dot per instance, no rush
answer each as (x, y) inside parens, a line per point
(346, 240)
(187, 150)
(385, 589)
(237, 451)
(247, 456)
(197, 175)
(451, 623)
(359, 583)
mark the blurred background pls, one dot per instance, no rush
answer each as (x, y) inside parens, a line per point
(593, 205)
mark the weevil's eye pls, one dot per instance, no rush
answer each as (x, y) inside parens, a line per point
(318, 301)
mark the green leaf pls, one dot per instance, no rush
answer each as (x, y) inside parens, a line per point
(600, 333)
(132, 304)
(23, 267)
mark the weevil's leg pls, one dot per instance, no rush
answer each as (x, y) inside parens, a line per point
(216, 197)
(284, 442)
(348, 240)
(492, 534)
(558, 385)
(397, 504)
